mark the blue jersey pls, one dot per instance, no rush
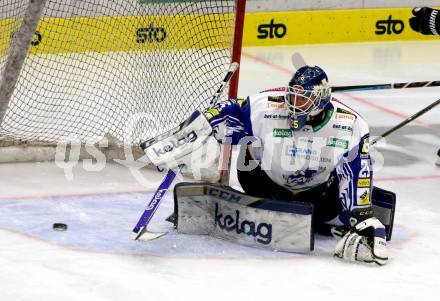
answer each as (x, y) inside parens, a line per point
(303, 159)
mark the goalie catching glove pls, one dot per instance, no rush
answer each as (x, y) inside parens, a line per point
(364, 242)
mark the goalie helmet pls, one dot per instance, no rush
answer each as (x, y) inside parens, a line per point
(307, 95)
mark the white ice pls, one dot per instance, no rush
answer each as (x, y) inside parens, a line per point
(96, 260)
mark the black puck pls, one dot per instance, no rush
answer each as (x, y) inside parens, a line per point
(59, 227)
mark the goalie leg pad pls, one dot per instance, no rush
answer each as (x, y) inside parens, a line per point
(384, 204)
(225, 213)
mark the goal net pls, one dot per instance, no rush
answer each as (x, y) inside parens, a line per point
(81, 70)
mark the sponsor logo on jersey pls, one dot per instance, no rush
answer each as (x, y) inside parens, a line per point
(344, 111)
(343, 127)
(343, 116)
(275, 116)
(363, 196)
(211, 113)
(276, 105)
(365, 146)
(335, 142)
(279, 89)
(308, 154)
(271, 30)
(363, 182)
(176, 143)
(295, 151)
(150, 34)
(302, 177)
(276, 99)
(232, 223)
(282, 133)
(389, 26)
(367, 212)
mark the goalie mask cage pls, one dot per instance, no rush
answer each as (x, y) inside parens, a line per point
(80, 70)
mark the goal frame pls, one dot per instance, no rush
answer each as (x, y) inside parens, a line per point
(31, 151)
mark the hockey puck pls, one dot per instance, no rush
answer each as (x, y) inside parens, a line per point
(59, 227)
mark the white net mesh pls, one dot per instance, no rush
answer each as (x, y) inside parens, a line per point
(121, 68)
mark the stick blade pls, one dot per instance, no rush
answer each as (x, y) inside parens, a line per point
(144, 234)
(147, 235)
(298, 60)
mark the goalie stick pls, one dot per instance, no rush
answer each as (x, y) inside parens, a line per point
(140, 230)
(423, 84)
(298, 61)
(408, 120)
(141, 226)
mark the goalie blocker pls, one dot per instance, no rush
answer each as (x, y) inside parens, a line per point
(222, 212)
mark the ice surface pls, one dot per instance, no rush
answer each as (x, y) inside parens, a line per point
(95, 259)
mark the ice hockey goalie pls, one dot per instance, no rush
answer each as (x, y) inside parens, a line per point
(300, 145)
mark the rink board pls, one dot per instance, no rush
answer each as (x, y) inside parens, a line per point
(141, 33)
